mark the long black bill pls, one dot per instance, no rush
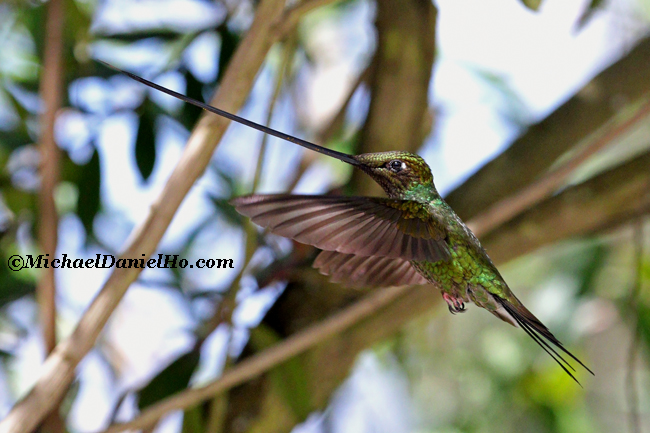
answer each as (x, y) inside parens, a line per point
(311, 146)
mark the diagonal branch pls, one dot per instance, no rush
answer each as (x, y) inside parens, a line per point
(625, 82)
(264, 361)
(534, 193)
(602, 202)
(292, 16)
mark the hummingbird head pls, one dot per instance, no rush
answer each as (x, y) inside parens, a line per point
(402, 175)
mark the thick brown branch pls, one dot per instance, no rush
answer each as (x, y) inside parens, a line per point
(624, 82)
(58, 370)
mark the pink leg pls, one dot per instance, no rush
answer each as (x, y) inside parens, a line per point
(456, 305)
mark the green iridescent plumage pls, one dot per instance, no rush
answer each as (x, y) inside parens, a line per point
(412, 237)
(378, 242)
(470, 273)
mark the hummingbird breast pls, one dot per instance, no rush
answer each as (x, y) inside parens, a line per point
(469, 274)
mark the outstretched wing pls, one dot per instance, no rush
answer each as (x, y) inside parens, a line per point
(362, 226)
(361, 271)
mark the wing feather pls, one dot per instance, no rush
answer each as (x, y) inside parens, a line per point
(360, 271)
(362, 226)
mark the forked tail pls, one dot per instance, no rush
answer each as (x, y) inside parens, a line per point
(541, 335)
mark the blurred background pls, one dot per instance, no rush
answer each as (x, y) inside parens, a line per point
(533, 115)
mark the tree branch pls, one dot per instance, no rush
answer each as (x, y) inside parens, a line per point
(51, 88)
(526, 198)
(602, 202)
(59, 368)
(625, 82)
(258, 364)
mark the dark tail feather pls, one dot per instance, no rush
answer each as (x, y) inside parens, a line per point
(541, 335)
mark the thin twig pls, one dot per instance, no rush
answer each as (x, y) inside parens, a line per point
(264, 361)
(630, 380)
(224, 311)
(527, 197)
(217, 412)
(51, 88)
(287, 55)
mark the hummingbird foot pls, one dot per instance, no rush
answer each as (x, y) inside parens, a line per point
(456, 305)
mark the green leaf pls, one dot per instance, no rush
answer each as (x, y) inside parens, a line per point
(145, 143)
(164, 35)
(588, 273)
(88, 185)
(172, 379)
(643, 318)
(226, 210)
(532, 4)
(34, 20)
(19, 201)
(15, 138)
(194, 89)
(588, 13)
(229, 43)
(11, 287)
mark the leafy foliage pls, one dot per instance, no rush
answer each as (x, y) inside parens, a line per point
(145, 143)
(170, 380)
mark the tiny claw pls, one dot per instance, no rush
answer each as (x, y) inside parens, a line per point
(456, 305)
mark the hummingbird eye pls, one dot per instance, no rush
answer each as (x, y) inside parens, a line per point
(396, 165)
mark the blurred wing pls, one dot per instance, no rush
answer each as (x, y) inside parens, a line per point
(363, 226)
(360, 271)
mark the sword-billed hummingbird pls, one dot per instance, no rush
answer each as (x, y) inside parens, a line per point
(411, 237)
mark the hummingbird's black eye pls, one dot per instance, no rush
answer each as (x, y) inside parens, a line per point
(396, 165)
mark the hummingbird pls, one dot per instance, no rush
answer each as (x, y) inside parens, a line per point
(410, 237)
